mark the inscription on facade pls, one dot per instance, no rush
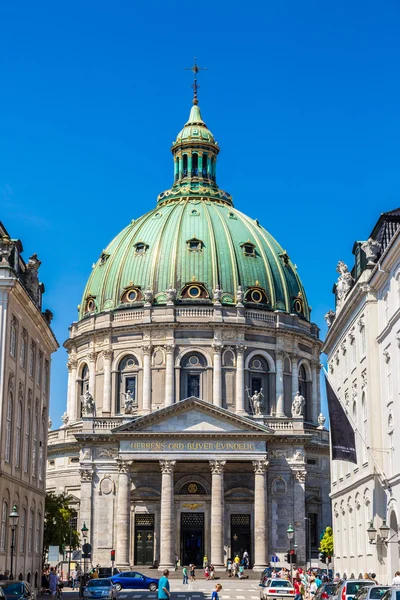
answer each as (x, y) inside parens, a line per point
(187, 446)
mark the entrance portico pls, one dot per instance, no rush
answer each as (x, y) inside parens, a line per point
(193, 447)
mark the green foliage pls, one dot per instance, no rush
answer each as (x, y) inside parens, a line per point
(57, 531)
(326, 543)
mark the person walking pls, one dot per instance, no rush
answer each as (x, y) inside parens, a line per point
(396, 578)
(163, 587)
(185, 575)
(205, 561)
(192, 573)
(53, 582)
(215, 594)
(229, 568)
(207, 573)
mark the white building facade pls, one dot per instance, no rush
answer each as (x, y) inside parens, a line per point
(363, 349)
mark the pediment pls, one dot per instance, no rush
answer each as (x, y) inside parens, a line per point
(193, 416)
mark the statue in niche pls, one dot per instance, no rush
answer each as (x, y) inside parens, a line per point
(298, 405)
(88, 404)
(255, 400)
(129, 402)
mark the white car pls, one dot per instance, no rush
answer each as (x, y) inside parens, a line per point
(276, 588)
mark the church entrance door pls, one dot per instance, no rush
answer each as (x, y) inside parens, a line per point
(192, 538)
(144, 539)
(240, 535)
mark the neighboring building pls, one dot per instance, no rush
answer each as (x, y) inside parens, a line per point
(363, 360)
(192, 309)
(26, 345)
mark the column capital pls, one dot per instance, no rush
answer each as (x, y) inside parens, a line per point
(240, 349)
(217, 466)
(260, 466)
(217, 347)
(86, 475)
(72, 363)
(92, 356)
(167, 466)
(107, 354)
(279, 354)
(147, 349)
(169, 348)
(124, 465)
(300, 475)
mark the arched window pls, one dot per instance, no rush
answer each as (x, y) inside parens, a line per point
(37, 536)
(364, 426)
(42, 430)
(32, 352)
(192, 488)
(34, 447)
(27, 441)
(30, 534)
(3, 526)
(192, 375)
(22, 349)
(84, 384)
(195, 165)
(9, 417)
(204, 167)
(18, 436)
(259, 382)
(13, 337)
(304, 389)
(22, 532)
(127, 384)
(185, 165)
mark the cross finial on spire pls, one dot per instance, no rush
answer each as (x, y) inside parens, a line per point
(195, 69)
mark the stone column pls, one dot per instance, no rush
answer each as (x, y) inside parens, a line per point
(169, 374)
(146, 379)
(279, 385)
(167, 528)
(240, 350)
(260, 515)
(72, 408)
(299, 496)
(107, 355)
(217, 376)
(295, 376)
(314, 392)
(92, 372)
(217, 513)
(85, 509)
(123, 513)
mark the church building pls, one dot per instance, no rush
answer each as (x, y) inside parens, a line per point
(193, 423)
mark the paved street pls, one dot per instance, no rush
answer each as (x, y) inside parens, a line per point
(232, 589)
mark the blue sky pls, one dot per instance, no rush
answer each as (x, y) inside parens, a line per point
(303, 98)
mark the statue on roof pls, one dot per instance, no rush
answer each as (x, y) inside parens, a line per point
(344, 283)
(298, 405)
(88, 405)
(372, 249)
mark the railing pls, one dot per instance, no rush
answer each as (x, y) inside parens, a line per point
(195, 312)
(280, 425)
(260, 315)
(129, 315)
(107, 423)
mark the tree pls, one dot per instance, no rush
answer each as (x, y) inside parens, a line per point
(57, 523)
(326, 543)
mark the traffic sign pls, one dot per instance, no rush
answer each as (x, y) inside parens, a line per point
(86, 548)
(274, 558)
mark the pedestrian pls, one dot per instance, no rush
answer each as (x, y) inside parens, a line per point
(229, 567)
(205, 561)
(298, 588)
(396, 578)
(215, 594)
(73, 577)
(318, 581)
(241, 571)
(192, 572)
(207, 573)
(235, 568)
(163, 586)
(53, 582)
(246, 559)
(212, 572)
(313, 587)
(185, 575)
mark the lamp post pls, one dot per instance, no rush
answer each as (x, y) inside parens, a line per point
(308, 537)
(13, 516)
(84, 532)
(384, 531)
(290, 534)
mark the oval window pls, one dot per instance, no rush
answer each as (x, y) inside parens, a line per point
(90, 305)
(194, 291)
(256, 296)
(131, 296)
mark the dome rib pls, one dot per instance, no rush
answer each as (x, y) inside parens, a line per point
(173, 276)
(213, 248)
(234, 263)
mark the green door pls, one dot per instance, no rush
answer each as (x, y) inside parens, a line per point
(144, 539)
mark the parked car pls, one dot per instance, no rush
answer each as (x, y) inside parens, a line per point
(107, 572)
(393, 593)
(371, 592)
(17, 590)
(100, 588)
(276, 588)
(346, 590)
(325, 591)
(267, 573)
(132, 580)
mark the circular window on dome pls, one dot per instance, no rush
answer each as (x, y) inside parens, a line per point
(131, 296)
(90, 305)
(298, 306)
(194, 291)
(256, 296)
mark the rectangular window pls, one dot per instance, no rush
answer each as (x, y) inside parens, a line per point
(22, 531)
(32, 352)
(39, 369)
(193, 385)
(13, 337)
(30, 536)
(3, 528)
(22, 350)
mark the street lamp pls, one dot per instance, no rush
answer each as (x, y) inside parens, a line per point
(84, 532)
(13, 516)
(290, 535)
(384, 531)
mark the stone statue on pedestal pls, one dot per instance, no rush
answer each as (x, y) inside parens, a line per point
(129, 402)
(217, 294)
(171, 295)
(88, 404)
(239, 296)
(297, 405)
(372, 249)
(344, 282)
(255, 400)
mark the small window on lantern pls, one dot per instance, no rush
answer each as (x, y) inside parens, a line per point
(194, 245)
(248, 248)
(141, 248)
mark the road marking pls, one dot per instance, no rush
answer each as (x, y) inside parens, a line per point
(137, 596)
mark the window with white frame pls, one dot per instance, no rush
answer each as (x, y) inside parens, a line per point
(13, 336)
(39, 369)
(365, 427)
(46, 376)
(22, 349)
(18, 435)
(32, 351)
(41, 451)
(22, 531)
(37, 536)
(27, 441)
(9, 416)
(3, 526)
(363, 340)
(30, 534)
(34, 446)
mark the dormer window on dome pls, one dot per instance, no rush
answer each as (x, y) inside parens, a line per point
(140, 248)
(257, 295)
(131, 294)
(104, 256)
(90, 304)
(194, 245)
(248, 248)
(195, 291)
(298, 305)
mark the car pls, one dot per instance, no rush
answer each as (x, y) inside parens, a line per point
(346, 590)
(267, 573)
(107, 571)
(371, 592)
(17, 590)
(100, 588)
(393, 593)
(276, 588)
(325, 591)
(132, 580)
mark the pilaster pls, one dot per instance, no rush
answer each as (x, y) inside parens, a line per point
(217, 513)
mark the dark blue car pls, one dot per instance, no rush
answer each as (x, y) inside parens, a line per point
(132, 580)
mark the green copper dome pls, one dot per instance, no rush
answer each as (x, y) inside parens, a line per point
(196, 245)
